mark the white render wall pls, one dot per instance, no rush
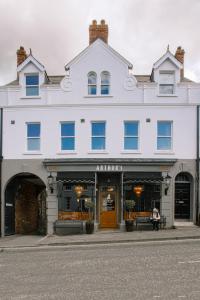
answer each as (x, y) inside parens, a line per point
(184, 131)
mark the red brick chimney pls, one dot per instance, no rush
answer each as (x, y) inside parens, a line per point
(98, 31)
(21, 55)
(179, 55)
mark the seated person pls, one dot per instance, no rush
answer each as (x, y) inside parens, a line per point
(155, 218)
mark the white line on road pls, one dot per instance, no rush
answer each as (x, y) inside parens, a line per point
(189, 262)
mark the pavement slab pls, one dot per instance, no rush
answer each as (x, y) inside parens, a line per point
(99, 237)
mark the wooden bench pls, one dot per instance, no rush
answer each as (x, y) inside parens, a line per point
(143, 221)
(147, 221)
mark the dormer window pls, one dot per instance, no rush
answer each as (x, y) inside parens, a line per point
(105, 83)
(166, 83)
(92, 83)
(32, 85)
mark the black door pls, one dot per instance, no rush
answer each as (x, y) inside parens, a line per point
(182, 200)
(9, 211)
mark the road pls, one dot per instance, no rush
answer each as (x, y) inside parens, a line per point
(161, 270)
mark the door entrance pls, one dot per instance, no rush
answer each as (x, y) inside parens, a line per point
(108, 206)
(182, 201)
(182, 196)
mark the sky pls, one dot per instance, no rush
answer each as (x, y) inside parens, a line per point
(140, 30)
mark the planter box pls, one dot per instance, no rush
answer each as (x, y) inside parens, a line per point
(68, 227)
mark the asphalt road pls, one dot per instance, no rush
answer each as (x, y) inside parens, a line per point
(162, 270)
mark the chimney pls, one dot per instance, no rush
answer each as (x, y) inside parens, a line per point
(21, 55)
(98, 31)
(179, 55)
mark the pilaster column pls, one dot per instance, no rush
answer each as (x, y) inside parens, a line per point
(122, 222)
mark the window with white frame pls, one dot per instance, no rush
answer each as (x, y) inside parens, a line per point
(92, 83)
(67, 136)
(98, 135)
(131, 137)
(32, 85)
(164, 135)
(33, 136)
(105, 83)
(166, 83)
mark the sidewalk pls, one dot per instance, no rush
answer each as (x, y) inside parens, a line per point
(17, 242)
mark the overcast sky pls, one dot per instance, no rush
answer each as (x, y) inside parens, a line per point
(140, 30)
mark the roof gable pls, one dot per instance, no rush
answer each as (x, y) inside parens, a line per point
(98, 43)
(168, 55)
(31, 59)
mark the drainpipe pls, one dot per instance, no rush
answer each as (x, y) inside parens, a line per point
(1, 157)
(197, 170)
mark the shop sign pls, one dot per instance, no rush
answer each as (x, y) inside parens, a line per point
(109, 168)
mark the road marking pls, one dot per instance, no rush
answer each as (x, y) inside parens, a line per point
(42, 239)
(156, 296)
(181, 296)
(189, 262)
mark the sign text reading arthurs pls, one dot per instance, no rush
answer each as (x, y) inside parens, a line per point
(110, 168)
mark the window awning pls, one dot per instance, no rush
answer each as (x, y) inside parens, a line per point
(143, 180)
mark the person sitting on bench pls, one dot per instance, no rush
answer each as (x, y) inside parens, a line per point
(155, 218)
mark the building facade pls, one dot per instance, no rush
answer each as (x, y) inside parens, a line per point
(99, 134)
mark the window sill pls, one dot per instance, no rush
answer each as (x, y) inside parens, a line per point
(164, 152)
(66, 152)
(130, 152)
(30, 97)
(97, 152)
(167, 95)
(98, 96)
(32, 153)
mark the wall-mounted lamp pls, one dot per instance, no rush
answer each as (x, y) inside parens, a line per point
(51, 183)
(167, 180)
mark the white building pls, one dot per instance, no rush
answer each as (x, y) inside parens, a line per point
(116, 134)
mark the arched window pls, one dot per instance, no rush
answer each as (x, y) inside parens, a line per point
(105, 83)
(92, 83)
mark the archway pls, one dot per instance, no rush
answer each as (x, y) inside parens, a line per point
(25, 205)
(183, 196)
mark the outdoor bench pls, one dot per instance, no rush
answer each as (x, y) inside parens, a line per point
(147, 221)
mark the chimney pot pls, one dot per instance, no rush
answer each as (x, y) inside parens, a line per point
(98, 31)
(21, 55)
(179, 55)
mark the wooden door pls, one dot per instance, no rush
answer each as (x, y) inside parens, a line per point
(108, 207)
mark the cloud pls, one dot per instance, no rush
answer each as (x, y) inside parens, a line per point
(140, 30)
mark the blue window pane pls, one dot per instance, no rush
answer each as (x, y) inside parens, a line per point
(92, 90)
(32, 80)
(98, 129)
(131, 128)
(33, 144)
(131, 143)
(98, 143)
(32, 91)
(67, 144)
(33, 130)
(67, 129)
(164, 128)
(92, 78)
(105, 78)
(164, 143)
(104, 89)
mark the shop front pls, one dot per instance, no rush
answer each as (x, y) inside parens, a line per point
(98, 190)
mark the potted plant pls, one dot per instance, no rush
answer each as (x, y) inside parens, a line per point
(129, 205)
(89, 225)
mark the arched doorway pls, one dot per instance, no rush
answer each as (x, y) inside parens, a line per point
(183, 196)
(25, 205)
